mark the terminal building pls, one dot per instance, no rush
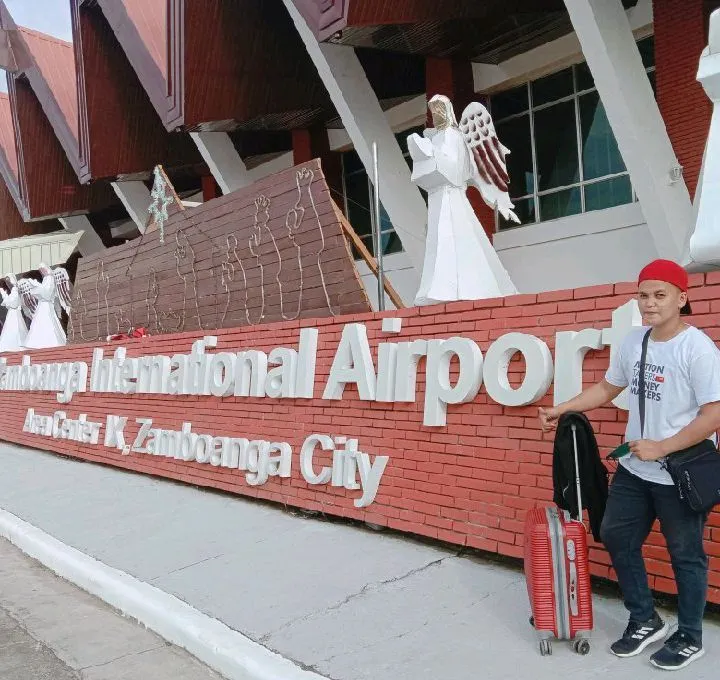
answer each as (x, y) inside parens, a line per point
(597, 100)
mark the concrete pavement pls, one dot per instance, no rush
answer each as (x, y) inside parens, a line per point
(51, 630)
(342, 601)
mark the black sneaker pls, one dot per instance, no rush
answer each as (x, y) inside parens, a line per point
(679, 651)
(637, 636)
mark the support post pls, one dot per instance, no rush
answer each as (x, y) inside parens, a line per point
(611, 52)
(224, 161)
(135, 196)
(363, 118)
(89, 243)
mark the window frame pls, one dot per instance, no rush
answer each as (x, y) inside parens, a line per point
(368, 239)
(529, 112)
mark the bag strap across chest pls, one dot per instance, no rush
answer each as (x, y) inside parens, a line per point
(641, 382)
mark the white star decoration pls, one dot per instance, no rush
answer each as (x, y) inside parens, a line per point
(161, 200)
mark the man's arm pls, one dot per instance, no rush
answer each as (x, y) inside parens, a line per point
(594, 397)
(703, 427)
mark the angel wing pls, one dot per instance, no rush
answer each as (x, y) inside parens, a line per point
(490, 174)
(28, 301)
(63, 287)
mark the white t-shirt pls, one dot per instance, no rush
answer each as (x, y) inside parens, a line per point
(681, 375)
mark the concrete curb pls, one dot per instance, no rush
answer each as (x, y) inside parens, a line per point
(230, 653)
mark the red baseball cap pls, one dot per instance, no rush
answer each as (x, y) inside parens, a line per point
(669, 272)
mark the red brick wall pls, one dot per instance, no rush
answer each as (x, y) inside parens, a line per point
(469, 483)
(680, 38)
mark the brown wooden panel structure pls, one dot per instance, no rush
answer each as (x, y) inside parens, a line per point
(239, 62)
(269, 252)
(48, 184)
(120, 132)
(489, 31)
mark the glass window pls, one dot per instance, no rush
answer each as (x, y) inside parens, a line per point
(608, 193)
(510, 102)
(564, 158)
(515, 135)
(556, 146)
(525, 211)
(560, 204)
(551, 88)
(358, 198)
(601, 155)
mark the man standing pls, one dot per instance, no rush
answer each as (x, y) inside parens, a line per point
(682, 408)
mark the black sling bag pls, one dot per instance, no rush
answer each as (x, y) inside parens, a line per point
(695, 470)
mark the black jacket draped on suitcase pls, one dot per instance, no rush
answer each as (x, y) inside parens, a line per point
(593, 474)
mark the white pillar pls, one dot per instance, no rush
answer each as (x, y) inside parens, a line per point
(614, 60)
(705, 241)
(365, 122)
(135, 196)
(224, 161)
(89, 243)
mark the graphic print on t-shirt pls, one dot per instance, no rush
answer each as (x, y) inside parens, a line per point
(654, 380)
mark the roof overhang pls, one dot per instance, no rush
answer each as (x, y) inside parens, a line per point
(18, 255)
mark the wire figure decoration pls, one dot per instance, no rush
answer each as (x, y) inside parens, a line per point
(161, 201)
(102, 288)
(151, 296)
(76, 321)
(183, 247)
(305, 178)
(227, 275)
(260, 223)
(122, 323)
(293, 222)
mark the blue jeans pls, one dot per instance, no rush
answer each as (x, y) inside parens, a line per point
(633, 505)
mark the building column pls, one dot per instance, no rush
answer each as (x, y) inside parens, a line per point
(611, 53)
(310, 143)
(210, 188)
(363, 118)
(89, 243)
(221, 156)
(705, 240)
(454, 78)
(135, 196)
(680, 38)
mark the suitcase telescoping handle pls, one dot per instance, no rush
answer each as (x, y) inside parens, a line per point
(573, 426)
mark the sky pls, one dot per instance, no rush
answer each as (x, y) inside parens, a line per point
(47, 16)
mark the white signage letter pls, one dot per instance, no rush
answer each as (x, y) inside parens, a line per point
(438, 391)
(352, 364)
(538, 369)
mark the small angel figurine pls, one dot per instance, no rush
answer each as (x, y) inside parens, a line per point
(14, 330)
(44, 303)
(460, 262)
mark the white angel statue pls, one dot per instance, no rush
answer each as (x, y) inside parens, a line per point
(460, 262)
(14, 330)
(44, 302)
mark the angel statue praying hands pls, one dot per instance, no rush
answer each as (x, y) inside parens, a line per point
(460, 262)
(43, 303)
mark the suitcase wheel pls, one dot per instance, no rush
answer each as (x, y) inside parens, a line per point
(532, 621)
(582, 646)
(545, 648)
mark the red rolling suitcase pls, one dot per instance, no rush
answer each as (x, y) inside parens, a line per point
(557, 572)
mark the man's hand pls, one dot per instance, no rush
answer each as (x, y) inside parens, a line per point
(647, 449)
(548, 418)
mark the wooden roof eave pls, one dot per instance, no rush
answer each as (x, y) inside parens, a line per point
(138, 54)
(324, 17)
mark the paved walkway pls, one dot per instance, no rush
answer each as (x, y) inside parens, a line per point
(51, 630)
(344, 601)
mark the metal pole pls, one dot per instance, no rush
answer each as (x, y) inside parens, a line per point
(378, 230)
(577, 472)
